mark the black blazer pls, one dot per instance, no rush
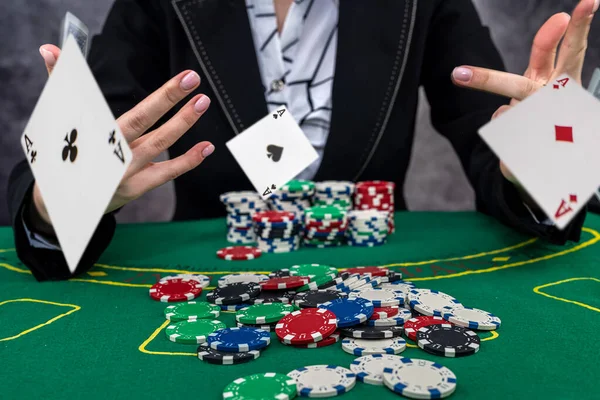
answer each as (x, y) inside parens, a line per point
(385, 53)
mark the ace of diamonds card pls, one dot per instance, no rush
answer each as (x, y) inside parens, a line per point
(76, 152)
(550, 142)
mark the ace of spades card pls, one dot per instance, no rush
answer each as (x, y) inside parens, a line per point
(272, 151)
(76, 151)
(550, 142)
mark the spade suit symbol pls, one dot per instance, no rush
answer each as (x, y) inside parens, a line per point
(274, 152)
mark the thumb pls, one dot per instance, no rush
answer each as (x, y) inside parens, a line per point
(50, 55)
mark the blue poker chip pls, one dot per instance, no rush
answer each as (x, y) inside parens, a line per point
(233, 307)
(350, 312)
(239, 339)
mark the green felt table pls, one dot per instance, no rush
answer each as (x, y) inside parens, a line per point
(101, 336)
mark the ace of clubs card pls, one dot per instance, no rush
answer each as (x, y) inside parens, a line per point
(272, 151)
(76, 151)
(550, 142)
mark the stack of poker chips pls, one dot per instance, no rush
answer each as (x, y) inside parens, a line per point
(324, 226)
(376, 195)
(334, 193)
(277, 231)
(367, 228)
(240, 207)
(295, 196)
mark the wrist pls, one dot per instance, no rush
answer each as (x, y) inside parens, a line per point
(37, 214)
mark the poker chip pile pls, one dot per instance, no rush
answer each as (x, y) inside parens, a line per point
(240, 208)
(313, 306)
(376, 195)
(277, 231)
(324, 226)
(334, 193)
(295, 196)
(367, 228)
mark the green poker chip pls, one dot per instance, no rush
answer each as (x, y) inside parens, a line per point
(324, 213)
(298, 185)
(316, 283)
(192, 332)
(313, 270)
(192, 310)
(265, 313)
(261, 387)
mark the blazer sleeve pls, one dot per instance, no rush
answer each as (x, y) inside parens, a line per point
(128, 61)
(457, 37)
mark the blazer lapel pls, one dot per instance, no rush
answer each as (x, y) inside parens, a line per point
(219, 33)
(372, 50)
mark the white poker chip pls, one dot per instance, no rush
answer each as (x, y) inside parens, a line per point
(362, 347)
(395, 320)
(431, 302)
(420, 379)
(203, 280)
(369, 369)
(323, 380)
(241, 278)
(379, 297)
(472, 318)
(403, 286)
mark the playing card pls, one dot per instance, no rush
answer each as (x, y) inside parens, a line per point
(272, 151)
(76, 151)
(550, 143)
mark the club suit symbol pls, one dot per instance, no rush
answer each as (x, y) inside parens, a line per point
(274, 152)
(70, 150)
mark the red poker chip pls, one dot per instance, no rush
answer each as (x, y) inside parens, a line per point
(325, 224)
(239, 253)
(328, 341)
(284, 282)
(369, 271)
(384, 312)
(274, 216)
(309, 325)
(175, 290)
(375, 187)
(414, 324)
(327, 229)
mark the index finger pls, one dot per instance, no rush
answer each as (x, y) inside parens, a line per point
(497, 82)
(572, 50)
(145, 114)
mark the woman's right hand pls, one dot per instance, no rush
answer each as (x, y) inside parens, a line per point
(144, 175)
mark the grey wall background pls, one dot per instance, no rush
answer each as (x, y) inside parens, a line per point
(435, 182)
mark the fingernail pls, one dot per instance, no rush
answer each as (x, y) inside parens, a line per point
(48, 57)
(202, 104)
(596, 5)
(462, 74)
(208, 151)
(190, 81)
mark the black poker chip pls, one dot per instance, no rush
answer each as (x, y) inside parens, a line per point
(280, 273)
(234, 293)
(391, 277)
(212, 356)
(264, 327)
(273, 296)
(448, 340)
(372, 332)
(314, 298)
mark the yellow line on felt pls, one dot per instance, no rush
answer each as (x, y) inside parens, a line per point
(15, 269)
(6, 250)
(142, 347)
(537, 290)
(580, 246)
(112, 283)
(478, 255)
(141, 269)
(75, 308)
